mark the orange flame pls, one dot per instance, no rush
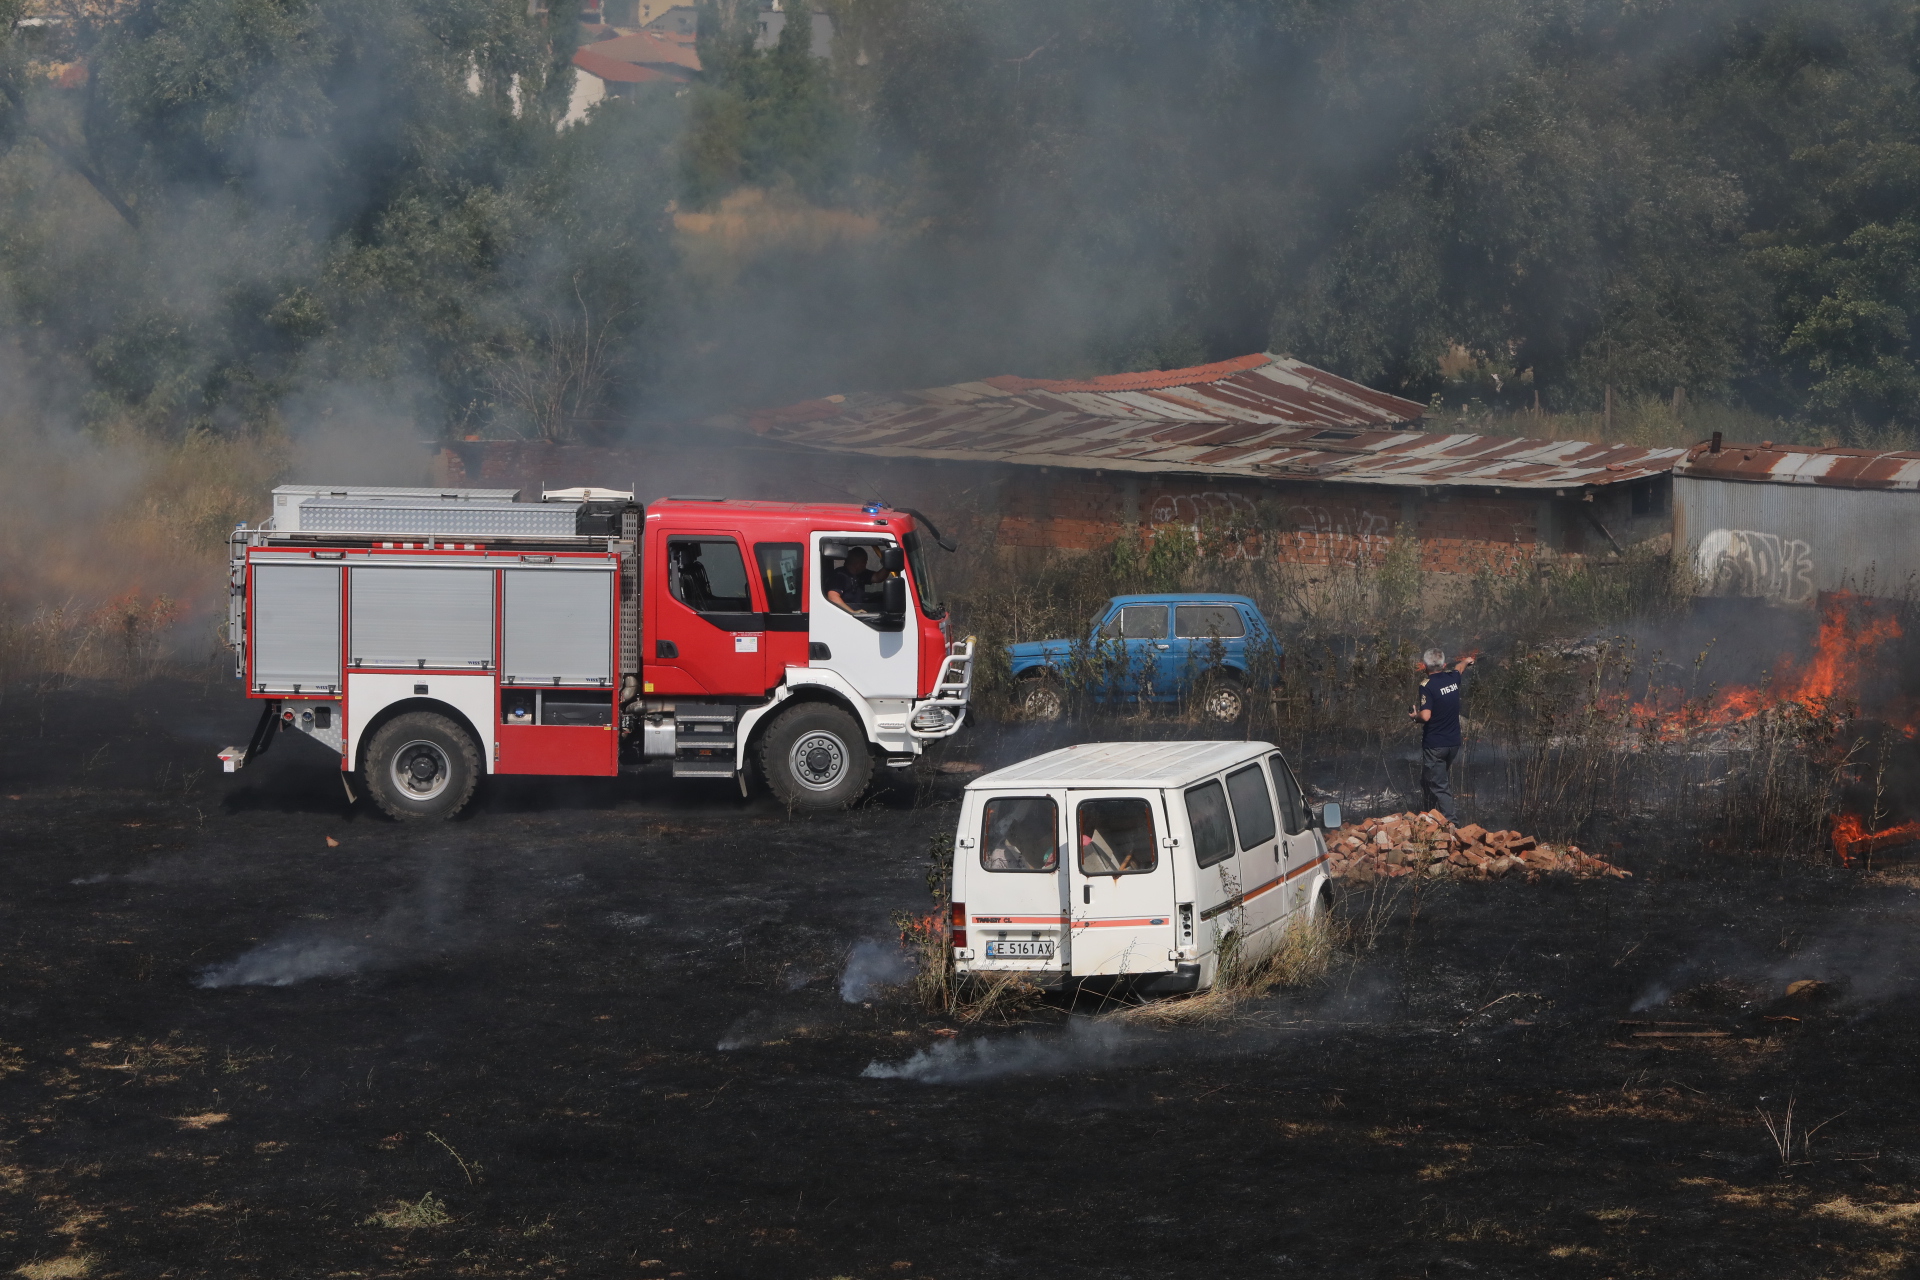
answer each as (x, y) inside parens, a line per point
(1852, 630)
(1851, 838)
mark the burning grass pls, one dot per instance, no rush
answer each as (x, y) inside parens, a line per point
(1578, 717)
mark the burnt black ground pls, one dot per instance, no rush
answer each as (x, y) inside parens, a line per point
(523, 1014)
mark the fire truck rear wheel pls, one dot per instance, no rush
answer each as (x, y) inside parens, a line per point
(421, 767)
(815, 757)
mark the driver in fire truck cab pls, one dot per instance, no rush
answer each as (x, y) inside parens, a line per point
(847, 586)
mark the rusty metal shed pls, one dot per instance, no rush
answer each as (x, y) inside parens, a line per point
(1785, 522)
(1260, 416)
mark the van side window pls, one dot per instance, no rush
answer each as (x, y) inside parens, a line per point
(1212, 829)
(1116, 837)
(1252, 811)
(1293, 805)
(1020, 833)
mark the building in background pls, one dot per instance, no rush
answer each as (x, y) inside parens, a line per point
(1784, 523)
(1264, 454)
(773, 20)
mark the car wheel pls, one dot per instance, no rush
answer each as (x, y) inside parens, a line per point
(1038, 698)
(815, 757)
(421, 767)
(1223, 700)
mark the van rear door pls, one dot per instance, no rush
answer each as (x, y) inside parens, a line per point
(1013, 885)
(1121, 876)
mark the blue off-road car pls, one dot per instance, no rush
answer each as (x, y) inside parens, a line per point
(1158, 648)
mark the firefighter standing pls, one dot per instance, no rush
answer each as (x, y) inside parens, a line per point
(1439, 717)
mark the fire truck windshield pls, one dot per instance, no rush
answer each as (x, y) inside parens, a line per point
(926, 586)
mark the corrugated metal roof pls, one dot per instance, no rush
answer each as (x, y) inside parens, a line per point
(1261, 416)
(1768, 463)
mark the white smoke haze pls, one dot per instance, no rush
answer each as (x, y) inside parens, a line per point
(1085, 1045)
(425, 923)
(288, 960)
(872, 966)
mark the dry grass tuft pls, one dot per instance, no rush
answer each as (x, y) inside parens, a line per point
(428, 1211)
(1300, 959)
(72, 1266)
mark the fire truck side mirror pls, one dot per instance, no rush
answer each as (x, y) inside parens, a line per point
(893, 560)
(894, 600)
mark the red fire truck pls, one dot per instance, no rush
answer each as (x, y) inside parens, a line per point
(428, 637)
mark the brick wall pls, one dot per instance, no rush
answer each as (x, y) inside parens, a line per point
(1044, 511)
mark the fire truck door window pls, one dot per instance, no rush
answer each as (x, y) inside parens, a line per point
(296, 626)
(864, 594)
(556, 626)
(780, 574)
(708, 575)
(412, 617)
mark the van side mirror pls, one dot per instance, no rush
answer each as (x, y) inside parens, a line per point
(894, 597)
(1330, 817)
(893, 560)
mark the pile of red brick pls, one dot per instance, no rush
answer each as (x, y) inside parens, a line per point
(1415, 844)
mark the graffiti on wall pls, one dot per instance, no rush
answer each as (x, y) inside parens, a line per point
(1343, 536)
(1744, 562)
(1316, 534)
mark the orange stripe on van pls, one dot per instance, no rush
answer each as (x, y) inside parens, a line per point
(1140, 922)
(1052, 919)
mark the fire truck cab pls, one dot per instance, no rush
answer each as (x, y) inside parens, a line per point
(430, 637)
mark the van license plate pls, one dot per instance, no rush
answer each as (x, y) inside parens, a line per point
(1038, 949)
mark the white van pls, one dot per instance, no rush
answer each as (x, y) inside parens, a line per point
(1135, 861)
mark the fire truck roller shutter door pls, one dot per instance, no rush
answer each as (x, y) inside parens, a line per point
(296, 627)
(424, 617)
(556, 626)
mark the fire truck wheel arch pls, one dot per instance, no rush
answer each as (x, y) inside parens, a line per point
(370, 733)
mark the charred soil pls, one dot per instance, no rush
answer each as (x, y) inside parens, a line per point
(604, 1029)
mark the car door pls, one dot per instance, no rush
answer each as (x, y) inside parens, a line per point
(1205, 637)
(1136, 647)
(705, 631)
(1217, 891)
(1121, 881)
(1257, 833)
(1302, 848)
(1015, 886)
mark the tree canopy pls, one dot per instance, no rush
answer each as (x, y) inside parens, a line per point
(215, 213)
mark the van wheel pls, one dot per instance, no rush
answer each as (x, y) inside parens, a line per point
(1223, 699)
(421, 767)
(1039, 699)
(1323, 901)
(815, 757)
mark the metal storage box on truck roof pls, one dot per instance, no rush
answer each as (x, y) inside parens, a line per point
(1133, 863)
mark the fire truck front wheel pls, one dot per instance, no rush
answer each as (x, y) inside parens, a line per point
(815, 757)
(421, 767)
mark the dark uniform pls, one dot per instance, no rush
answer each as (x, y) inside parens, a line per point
(1439, 739)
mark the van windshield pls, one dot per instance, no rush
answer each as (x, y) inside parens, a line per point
(1020, 833)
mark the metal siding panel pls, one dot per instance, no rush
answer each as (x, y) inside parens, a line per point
(296, 626)
(404, 617)
(1787, 542)
(556, 624)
